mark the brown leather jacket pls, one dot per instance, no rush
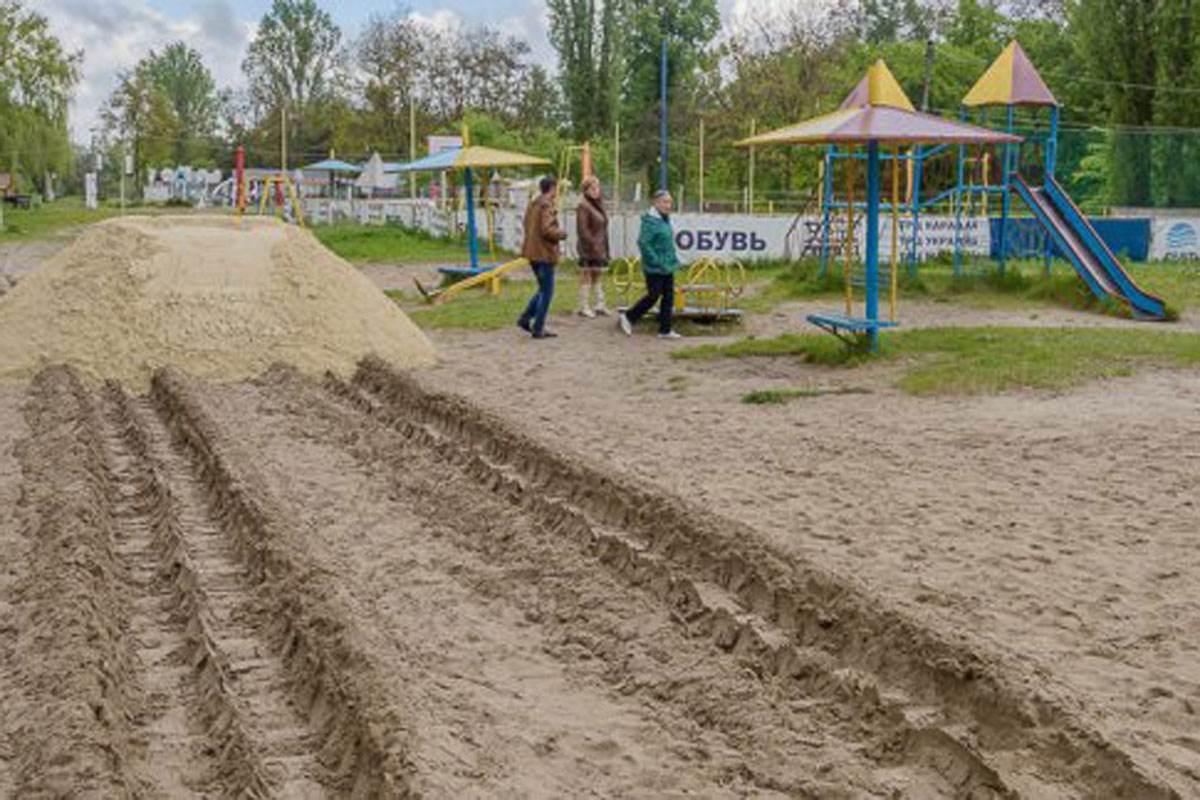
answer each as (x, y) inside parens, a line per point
(542, 233)
(591, 224)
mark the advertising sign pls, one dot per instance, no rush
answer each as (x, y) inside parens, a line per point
(1176, 240)
(437, 144)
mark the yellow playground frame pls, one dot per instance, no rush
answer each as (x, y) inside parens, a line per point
(709, 288)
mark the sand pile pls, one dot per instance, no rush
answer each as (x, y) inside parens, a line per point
(215, 297)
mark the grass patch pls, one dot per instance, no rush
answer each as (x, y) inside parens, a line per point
(392, 244)
(45, 219)
(475, 309)
(764, 397)
(972, 361)
(812, 347)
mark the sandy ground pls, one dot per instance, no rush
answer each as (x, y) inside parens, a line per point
(1058, 531)
(590, 570)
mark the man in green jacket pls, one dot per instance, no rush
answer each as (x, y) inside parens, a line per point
(656, 241)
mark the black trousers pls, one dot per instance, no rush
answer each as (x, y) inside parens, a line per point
(658, 288)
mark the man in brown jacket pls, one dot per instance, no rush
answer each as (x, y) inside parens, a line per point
(542, 235)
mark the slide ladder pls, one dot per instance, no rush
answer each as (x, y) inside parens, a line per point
(1085, 250)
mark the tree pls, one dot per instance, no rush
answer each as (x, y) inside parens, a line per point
(389, 57)
(139, 112)
(586, 38)
(1117, 40)
(295, 63)
(36, 79)
(688, 27)
(187, 85)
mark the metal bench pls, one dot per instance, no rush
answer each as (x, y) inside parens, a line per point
(856, 332)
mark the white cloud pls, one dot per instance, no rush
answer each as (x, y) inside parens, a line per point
(115, 34)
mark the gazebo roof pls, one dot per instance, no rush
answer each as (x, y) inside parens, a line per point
(471, 158)
(887, 90)
(1011, 80)
(879, 119)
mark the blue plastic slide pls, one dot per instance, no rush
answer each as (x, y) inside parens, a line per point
(1086, 251)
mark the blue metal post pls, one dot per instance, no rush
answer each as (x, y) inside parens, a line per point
(1051, 165)
(469, 183)
(1052, 145)
(918, 166)
(958, 202)
(872, 287)
(1006, 198)
(662, 100)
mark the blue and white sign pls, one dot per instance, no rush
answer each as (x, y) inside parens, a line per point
(1176, 240)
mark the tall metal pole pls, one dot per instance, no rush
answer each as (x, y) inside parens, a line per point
(617, 165)
(701, 165)
(662, 112)
(471, 234)
(412, 145)
(872, 287)
(750, 198)
(283, 139)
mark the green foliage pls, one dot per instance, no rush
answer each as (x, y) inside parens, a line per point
(295, 64)
(36, 79)
(587, 40)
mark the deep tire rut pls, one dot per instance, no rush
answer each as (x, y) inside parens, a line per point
(950, 709)
(200, 636)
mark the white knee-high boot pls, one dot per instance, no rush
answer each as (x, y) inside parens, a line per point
(584, 309)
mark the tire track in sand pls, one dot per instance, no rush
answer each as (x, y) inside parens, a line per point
(974, 721)
(828, 733)
(218, 711)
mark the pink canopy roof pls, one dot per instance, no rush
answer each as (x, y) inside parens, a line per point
(883, 124)
(880, 117)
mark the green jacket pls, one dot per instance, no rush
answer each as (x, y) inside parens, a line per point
(656, 241)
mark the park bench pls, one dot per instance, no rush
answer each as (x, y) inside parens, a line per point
(854, 331)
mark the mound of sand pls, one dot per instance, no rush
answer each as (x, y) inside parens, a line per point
(216, 297)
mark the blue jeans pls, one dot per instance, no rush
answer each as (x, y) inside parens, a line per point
(660, 289)
(535, 313)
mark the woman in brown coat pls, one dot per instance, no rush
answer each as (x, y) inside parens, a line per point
(591, 221)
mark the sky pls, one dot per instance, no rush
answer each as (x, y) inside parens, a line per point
(115, 34)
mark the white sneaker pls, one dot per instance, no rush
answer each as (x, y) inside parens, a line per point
(669, 335)
(587, 312)
(626, 327)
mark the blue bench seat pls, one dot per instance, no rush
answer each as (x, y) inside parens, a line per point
(854, 331)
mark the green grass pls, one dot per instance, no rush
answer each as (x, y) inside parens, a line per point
(475, 309)
(47, 218)
(391, 244)
(972, 361)
(762, 397)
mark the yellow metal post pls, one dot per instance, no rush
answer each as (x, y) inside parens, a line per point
(750, 195)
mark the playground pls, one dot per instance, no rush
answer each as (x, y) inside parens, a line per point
(293, 510)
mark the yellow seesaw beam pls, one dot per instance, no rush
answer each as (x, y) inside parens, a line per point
(490, 277)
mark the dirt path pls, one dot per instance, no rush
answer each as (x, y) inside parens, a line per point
(1053, 531)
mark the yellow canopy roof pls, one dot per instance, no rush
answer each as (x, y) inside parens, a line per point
(475, 156)
(1011, 80)
(878, 87)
